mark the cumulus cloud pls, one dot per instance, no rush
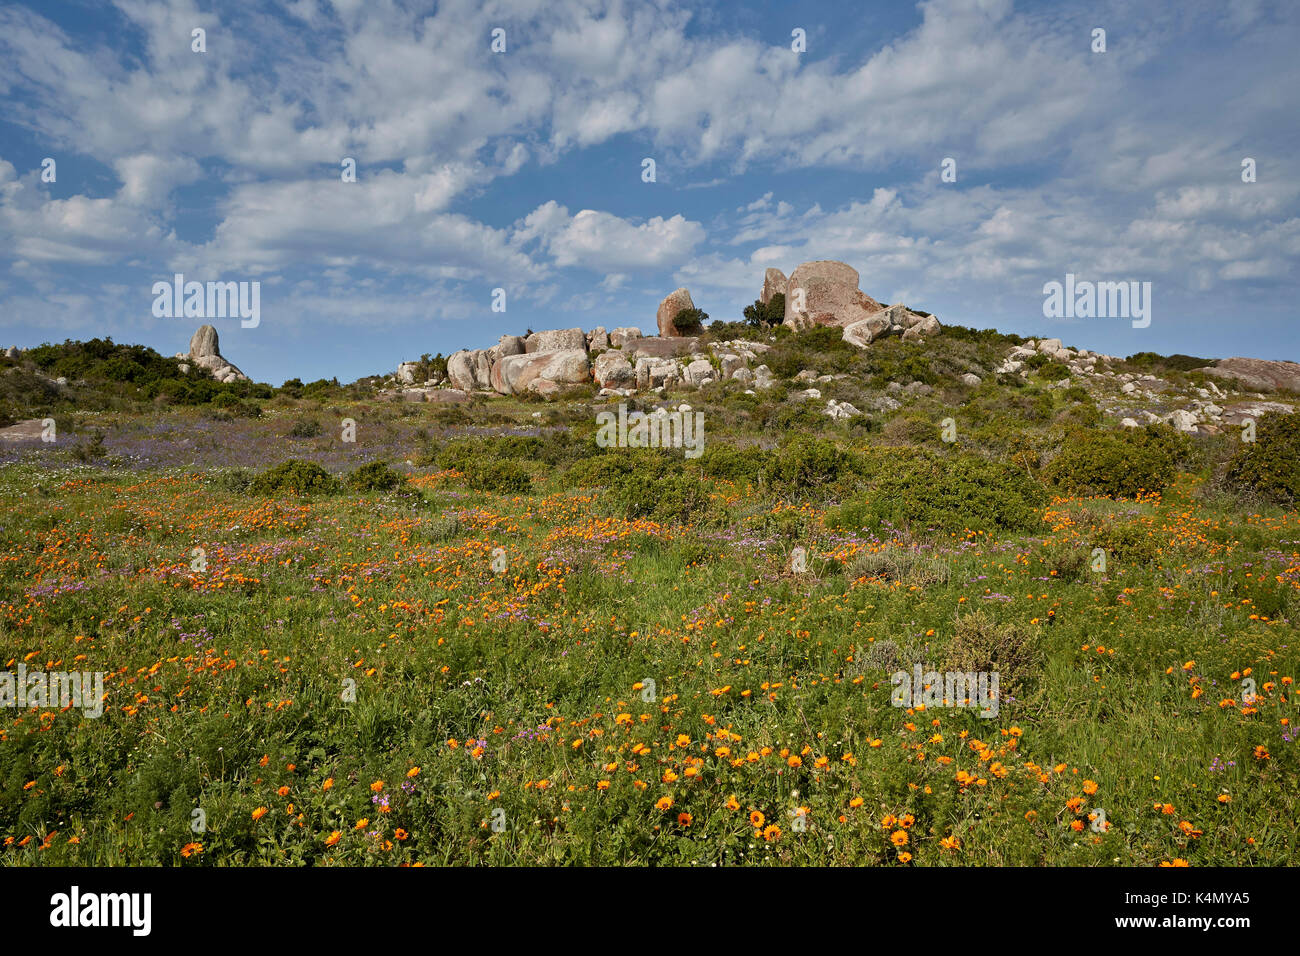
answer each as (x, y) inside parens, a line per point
(602, 242)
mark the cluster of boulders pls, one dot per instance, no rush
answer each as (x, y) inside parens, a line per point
(205, 352)
(826, 292)
(1200, 410)
(620, 362)
(1081, 362)
(624, 361)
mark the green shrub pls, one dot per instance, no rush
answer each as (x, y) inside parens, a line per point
(305, 428)
(1167, 363)
(296, 477)
(234, 480)
(950, 493)
(893, 360)
(761, 315)
(499, 475)
(374, 476)
(822, 348)
(799, 415)
(1053, 371)
(911, 428)
(788, 524)
(1130, 541)
(92, 450)
(1119, 464)
(992, 337)
(1065, 560)
(804, 463)
(437, 530)
(671, 498)
(1269, 467)
(232, 404)
(1038, 360)
(734, 464)
(690, 321)
(600, 471)
(1011, 651)
(555, 448)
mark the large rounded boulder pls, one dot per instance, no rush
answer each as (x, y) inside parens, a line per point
(826, 292)
(672, 304)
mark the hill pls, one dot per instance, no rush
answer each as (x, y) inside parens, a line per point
(958, 597)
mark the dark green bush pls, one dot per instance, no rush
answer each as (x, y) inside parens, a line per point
(601, 471)
(799, 415)
(804, 464)
(1269, 467)
(821, 348)
(500, 475)
(1053, 371)
(297, 477)
(305, 428)
(1130, 541)
(956, 492)
(1013, 651)
(374, 476)
(893, 360)
(1119, 464)
(1167, 363)
(761, 315)
(690, 321)
(911, 428)
(1064, 559)
(990, 337)
(92, 450)
(234, 480)
(670, 498)
(555, 448)
(734, 464)
(720, 331)
(230, 402)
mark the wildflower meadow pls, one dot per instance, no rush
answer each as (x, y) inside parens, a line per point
(496, 648)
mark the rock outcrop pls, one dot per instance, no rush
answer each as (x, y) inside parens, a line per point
(556, 340)
(470, 370)
(925, 325)
(774, 281)
(622, 335)
(541, 372)
(825, 293)
(865, 331)
(1263, 375)
(613, 370)
(205, 352)
(510, 345)
(653, 347)
(673, 303)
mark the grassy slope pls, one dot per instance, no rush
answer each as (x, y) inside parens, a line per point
(771, 687)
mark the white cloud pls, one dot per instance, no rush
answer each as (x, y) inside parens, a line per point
(603, 242)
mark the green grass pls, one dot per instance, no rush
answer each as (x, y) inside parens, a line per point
(350, 638)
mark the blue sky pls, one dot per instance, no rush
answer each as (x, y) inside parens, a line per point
(523, 170)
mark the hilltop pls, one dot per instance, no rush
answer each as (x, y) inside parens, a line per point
(813, 350)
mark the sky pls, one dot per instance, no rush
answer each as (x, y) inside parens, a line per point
(523, 169)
